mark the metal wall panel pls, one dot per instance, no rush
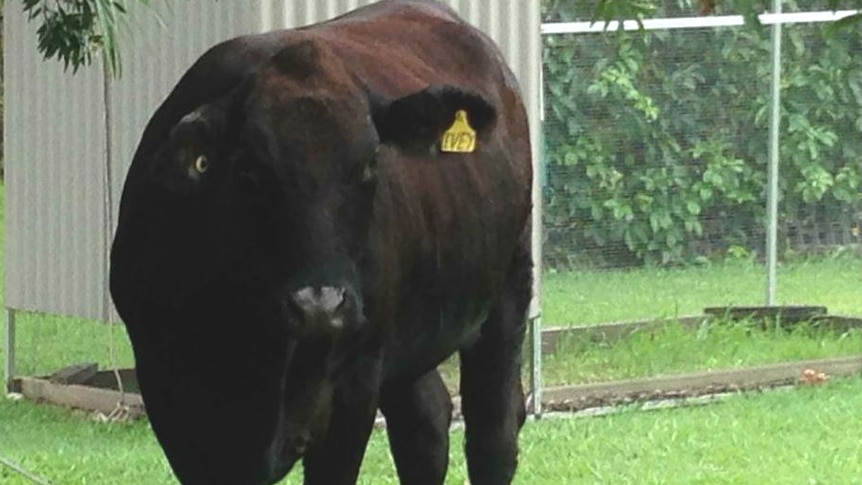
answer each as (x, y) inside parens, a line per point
(56, 149)
(155, 58)
(159, 47)
(54, 155)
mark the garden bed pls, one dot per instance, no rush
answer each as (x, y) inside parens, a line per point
(90, 390)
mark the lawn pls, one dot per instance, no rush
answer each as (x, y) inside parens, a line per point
(674, 349)
(802, 436)
(588, 297)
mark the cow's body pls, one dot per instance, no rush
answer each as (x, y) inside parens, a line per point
(294, 251)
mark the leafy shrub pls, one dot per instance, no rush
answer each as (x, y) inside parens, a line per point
(656, 143)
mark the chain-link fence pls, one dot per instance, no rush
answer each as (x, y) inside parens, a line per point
(655, 167)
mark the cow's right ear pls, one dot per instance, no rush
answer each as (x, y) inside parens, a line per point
(420, 121)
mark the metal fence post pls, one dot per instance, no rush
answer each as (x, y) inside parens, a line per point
(536, 366)
(9, 371)
(537, 217)
(772, 177)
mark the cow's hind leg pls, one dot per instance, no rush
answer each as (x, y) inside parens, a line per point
(418, 415)
(492, 396)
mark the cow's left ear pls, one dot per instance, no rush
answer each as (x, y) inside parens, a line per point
(420, 121)
(221, 116)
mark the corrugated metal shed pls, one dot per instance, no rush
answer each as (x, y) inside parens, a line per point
(59, 210)
(54, 155)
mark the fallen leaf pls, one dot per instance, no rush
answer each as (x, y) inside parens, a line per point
(813, 377)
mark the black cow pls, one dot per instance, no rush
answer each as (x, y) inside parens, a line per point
(314, 219)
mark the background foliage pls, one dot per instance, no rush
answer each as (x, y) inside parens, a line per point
(656, 141)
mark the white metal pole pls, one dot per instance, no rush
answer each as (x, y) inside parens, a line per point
(108, 188)
(538, 151)
(536, 366)
(10, 372)
(772, 177)
(535, 311)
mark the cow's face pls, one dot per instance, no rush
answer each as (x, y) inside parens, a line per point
(276, 183)
(282, 168)
(280, 177)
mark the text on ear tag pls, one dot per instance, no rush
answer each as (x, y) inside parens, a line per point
(460, 137)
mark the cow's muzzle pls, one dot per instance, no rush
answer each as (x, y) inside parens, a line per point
(322, 309)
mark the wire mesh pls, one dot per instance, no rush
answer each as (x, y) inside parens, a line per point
(655, 167)
(821, 142)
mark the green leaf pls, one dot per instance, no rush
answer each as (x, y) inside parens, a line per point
(693, 207)
(73, 31)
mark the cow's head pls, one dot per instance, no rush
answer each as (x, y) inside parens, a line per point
(284, 169)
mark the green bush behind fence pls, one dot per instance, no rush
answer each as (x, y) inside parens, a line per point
(656, 143)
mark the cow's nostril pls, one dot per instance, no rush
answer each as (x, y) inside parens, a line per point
(320, 305)
(326, 299)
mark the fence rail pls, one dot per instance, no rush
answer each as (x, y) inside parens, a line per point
(692, 22)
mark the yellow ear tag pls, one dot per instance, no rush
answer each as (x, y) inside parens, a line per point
(460, 137)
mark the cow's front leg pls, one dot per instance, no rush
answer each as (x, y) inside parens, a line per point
(491, 392)
(418, 414)
(493, 407)
(336, 460)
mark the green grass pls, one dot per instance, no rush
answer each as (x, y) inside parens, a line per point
(589, 297)
(674, 349)
(802, 436)
(46, 343)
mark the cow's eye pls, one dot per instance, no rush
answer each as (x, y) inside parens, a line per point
(202, 164)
